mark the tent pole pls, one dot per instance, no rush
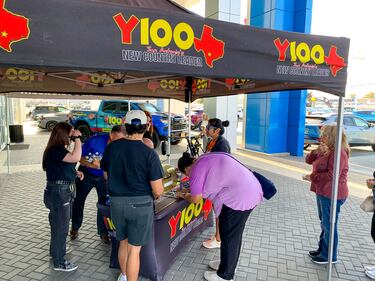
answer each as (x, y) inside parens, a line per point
(7, 130)
(169, 132)
(335, 182)
(189, 117)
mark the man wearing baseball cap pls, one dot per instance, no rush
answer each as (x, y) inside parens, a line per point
(134, 175)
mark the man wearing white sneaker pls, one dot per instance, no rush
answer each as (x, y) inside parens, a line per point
(370, 270)
(234, 191)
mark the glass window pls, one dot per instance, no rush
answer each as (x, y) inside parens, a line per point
(348, 121)
(109, 107)
(360, 122)
(61, 109)
(123, 107)
(149, 107)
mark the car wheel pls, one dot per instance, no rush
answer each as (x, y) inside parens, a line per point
(85, 131)
(50, 125)
(155, 139)
(373, 147)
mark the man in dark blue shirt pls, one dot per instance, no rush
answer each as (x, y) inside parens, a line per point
(92, 153)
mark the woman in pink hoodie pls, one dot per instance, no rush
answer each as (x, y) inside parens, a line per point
(322, 160)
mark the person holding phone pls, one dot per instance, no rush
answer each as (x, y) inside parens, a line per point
(60, 166)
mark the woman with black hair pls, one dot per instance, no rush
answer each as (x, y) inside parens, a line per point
(59, 164)
(234, 192)
(215, 130)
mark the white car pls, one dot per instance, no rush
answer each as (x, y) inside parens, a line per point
(48, 121)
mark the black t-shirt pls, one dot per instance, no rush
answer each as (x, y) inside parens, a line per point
(222, 145)
(131, 165)
(55, 168)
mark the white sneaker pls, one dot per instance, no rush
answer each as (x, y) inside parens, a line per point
(370, 274)
(212, 276)
(214, 264)
(370, 267)
(122, 277)
(212, 243)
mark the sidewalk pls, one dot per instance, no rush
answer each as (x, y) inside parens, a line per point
(277, 237)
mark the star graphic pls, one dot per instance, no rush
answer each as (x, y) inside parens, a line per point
(335, 62)
(4, 34)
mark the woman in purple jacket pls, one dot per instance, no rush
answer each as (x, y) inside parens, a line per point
(322, 160)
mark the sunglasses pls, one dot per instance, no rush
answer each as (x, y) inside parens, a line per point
(208, 127)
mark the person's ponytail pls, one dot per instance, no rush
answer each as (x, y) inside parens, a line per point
(225, 123)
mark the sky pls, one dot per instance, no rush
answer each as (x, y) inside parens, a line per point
(343, 18)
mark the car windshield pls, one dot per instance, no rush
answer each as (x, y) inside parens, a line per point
(149, 107)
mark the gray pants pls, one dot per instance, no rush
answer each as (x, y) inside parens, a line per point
(133, 218)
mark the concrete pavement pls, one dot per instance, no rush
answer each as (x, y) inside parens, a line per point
(277, 237)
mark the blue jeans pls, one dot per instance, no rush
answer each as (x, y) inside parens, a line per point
(82, 191)
(58, 199)
(324, 210)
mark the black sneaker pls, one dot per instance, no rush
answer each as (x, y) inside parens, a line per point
(314, 253)
(66, 266)
(320, 260)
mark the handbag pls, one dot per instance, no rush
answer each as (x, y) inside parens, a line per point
(368, 204)
(268, 187)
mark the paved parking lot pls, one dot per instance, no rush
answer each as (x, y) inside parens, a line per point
(277, 237)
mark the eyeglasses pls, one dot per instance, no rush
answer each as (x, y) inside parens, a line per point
(208, 127)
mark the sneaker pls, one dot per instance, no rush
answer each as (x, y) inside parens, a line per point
(212, 243)
(370, 274)
(320, 260)
(212, 276)
(314, 253)
(73, 234)
(105, 238)
(214, 264)
(121, 277)
(66, 266)
(370, 268)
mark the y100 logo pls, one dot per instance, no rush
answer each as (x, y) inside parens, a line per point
(185, 216)
(182, 35)
(303, 53)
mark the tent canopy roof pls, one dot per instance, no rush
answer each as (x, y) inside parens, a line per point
(157, 49)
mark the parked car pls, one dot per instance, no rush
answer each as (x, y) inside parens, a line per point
(112, 112)
(45, 109)
(358, 130)
(48, 121)
(368, 115)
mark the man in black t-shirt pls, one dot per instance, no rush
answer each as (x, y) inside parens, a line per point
(134, 175)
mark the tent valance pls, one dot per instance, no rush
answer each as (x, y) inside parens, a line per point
(109, 48)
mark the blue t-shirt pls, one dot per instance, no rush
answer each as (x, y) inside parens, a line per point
(94, 148)
(131, 165)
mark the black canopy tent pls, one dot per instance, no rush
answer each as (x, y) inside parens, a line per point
(157, 49)
(122, 48)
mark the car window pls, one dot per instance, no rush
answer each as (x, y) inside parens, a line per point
(315, 120)
(124, 106)
(109, 107)
(348, 121)
(149, 107)
(61, 109)
(360, 122)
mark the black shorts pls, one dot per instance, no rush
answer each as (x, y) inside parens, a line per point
(133, 218)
